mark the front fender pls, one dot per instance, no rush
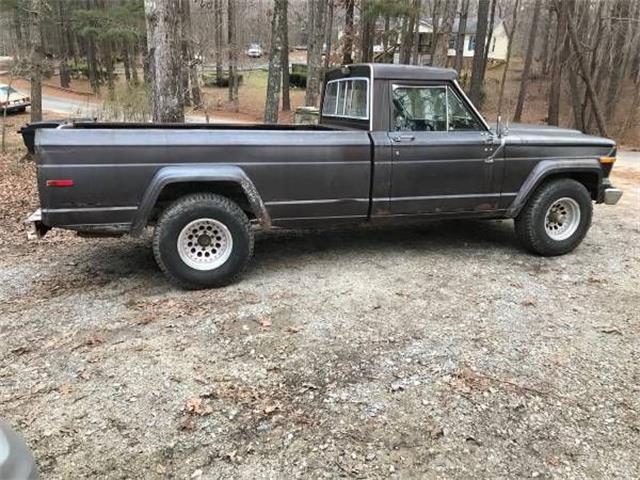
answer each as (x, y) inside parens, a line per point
(194, 174)
(546, 169)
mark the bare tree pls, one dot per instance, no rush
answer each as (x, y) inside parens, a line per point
(620, 21)
(219, 37)
(314, 51)
(547, 39)
(531, 46)
(192, 91)
(440, 45)
(462, 28)
(347, 49)
(275, 63)
(510, 33)
(553, 113)
(284, 57)
(163, 39)
(411, 21)
(368, 17)
(233, 55)
(585, 73)
(488, 37)
(477, 73)
(328, 33)
(36, 57)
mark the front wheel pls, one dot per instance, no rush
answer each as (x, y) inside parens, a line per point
(202, 240)
(556, 218)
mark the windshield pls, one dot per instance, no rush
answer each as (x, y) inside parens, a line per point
(4, 90)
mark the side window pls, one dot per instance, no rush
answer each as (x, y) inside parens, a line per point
(459, 116)
(419, 109)
(348, 98)
(430, 109)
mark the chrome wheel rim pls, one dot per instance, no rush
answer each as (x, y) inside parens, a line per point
(562, 219)
(205, 244)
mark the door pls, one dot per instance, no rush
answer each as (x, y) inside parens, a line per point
(442, 153)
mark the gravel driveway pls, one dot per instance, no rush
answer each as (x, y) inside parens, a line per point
(429, 351)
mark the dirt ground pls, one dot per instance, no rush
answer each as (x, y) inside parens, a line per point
(439, 350)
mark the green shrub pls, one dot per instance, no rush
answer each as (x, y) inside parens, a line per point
(298, 80)
(212, 80)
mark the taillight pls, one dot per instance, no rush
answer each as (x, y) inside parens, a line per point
(67, 182)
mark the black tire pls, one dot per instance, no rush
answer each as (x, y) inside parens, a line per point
(186, 210)
(530, 223)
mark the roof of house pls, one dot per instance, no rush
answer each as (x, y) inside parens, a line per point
(470, 27)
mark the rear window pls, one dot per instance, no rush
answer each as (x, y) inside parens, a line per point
(347, 98)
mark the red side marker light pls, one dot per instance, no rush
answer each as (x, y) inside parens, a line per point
(67, 182)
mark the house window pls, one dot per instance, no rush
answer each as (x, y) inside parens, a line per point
(472, 43)
(348, 98)
(453, 42)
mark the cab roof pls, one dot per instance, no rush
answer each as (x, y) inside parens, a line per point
(409, 72)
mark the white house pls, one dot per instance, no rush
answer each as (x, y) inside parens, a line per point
(499, 41)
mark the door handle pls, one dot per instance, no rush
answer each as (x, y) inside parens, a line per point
(404, 137)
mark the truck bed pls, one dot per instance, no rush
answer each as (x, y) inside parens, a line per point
(300, 172)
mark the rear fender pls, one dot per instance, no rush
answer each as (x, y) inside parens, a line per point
(548, 169)
(196, 174)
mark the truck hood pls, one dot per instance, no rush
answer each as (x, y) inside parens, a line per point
(546, 134)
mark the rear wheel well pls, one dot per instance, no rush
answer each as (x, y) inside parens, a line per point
(231, 190)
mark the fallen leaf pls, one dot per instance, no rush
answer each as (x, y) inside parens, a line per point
(187, 424)
(265, 322)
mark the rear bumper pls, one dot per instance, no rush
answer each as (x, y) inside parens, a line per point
(35, 228)
(612, 195)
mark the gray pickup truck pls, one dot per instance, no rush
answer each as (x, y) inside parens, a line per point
(393, 142)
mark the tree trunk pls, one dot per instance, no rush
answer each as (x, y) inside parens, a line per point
(219, 37)
(347, 51)
(272, 102)
(586, 75)
(368, 25)
(553, 114)
(478, 54)
(531, 46)
(415, 47)
(284, 57)
(619, 23)
(547, 40)
(163, 40)
(440, 51)
(36, 59)
(92, 64)
(65, 75)
(314, 49)
(514, 26)
(233, 55)
(126, 62)
(108, 59)
(408, 37)
(488, 38)
(133, 62)
(328, 34)
(192, 93)
(462, 27)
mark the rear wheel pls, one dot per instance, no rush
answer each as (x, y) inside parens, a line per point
(202, 240)
(556, 218)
